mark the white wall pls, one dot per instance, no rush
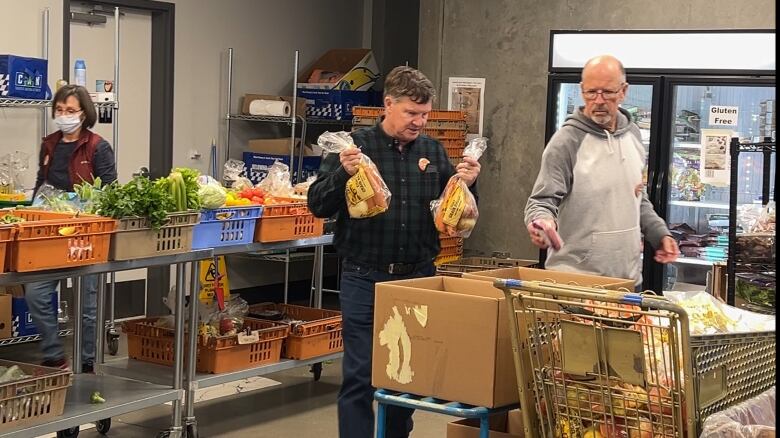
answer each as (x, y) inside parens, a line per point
(264, 35)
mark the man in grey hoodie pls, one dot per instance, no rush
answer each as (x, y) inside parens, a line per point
(590, 186)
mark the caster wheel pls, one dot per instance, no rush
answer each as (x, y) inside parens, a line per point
(192, 431)
(316, 369)
(68, 433)
(113, 345)
(103, 426)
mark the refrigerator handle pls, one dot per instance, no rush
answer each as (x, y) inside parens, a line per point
(657, 183)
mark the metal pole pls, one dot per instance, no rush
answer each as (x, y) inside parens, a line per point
(44, 121)
(178, 348)
(733, 193)
(189, 400)
(115, 123)
(78, 324)
(303, 142)
(227, 107)
(293, 120)
(286, 274)
(319, 255)
(100, 316)
(766, 176)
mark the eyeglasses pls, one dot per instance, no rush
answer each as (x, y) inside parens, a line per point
(606, 94)
(66, 111)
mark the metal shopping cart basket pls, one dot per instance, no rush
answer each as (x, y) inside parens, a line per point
(623, 364)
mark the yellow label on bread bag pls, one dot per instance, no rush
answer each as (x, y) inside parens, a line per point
(454, 206)
(359, 188)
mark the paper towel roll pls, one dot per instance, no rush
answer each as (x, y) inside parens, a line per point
(260, 107)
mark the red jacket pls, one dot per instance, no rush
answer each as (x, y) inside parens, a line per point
(81, 167)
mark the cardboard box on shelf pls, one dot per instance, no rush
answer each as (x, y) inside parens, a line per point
(499, 428)
(21, 321)
(262, 153)
(300, 108)
(6, 317)
(354, 88)
(23, 78)
(533, 274)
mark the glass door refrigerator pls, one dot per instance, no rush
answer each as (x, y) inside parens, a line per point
(670, 97)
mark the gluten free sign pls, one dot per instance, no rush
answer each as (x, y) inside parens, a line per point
(724, 115)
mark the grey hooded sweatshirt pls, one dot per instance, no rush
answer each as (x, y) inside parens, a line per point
(587, 184)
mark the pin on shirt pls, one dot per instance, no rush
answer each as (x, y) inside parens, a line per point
(423, 164)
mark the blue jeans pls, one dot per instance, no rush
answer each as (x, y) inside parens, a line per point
(38, 296)
(356, 397)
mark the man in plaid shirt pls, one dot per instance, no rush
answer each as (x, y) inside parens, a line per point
(400, 243)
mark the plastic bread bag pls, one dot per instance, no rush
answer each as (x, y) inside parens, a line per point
(277, 182)
(753, 418)
(455, 213)
(52, 199)
(233, 172)
(366, 192)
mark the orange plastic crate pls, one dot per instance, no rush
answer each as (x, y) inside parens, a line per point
(440, 134)
(367, 111)
(38, 244)
(221, 354)
(442, 259)
(451, 251)
(446, 115)
(6, 236)
(319, 333)
(446, 124)
(287, 221)
(448, 242)
(376, 111)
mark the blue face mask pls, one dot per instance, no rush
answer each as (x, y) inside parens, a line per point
(68, 123)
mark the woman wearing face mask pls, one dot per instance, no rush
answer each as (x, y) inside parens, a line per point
(71, 155)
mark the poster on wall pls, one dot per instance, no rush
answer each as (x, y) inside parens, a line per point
(715, 156)
(468, 95)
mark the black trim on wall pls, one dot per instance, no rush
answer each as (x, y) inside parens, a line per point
(160, 111)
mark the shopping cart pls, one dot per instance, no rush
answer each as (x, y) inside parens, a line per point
(619, 362)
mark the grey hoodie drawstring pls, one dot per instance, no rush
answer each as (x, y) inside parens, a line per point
(611, 148)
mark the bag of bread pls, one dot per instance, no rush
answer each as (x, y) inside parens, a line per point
(366, 192)
(455, 212)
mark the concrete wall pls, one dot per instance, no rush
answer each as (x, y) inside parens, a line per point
(507, 42)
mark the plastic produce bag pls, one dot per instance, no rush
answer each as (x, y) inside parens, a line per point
(753, 218)
(231, 320)
(49, 198)
(366, 192)
(455, 212)
(754, 418)
(707, 315)
(303, 188)
(233, 171)
(210, 192)
(277, 182)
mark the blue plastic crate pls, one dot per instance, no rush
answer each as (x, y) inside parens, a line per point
(226, 226)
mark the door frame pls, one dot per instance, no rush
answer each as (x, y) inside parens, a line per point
(160, 111)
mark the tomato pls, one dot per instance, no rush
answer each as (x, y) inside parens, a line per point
(257, 200)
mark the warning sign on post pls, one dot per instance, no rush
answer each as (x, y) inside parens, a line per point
(212, 276)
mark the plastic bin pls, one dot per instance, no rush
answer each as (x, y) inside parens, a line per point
(148, 343)
(39, 242)
(226, 226)
(6, 236)
(448, 242)
(33, 399)
(318, 334)
(456, 268)
(754, 418)
(288, 221)
(135, 238)
(440, 134)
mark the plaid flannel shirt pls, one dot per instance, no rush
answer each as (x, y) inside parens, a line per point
(405, 233)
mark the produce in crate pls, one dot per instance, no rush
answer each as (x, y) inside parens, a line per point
(183, 184)
(757, 288)
(455, 212)
(7, 219)
(211, 193)
(11, 374)
(366, 192)
(140, 197)
(277, 181)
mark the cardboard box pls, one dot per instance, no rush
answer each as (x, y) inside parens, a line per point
(23, 78)
(532, 274)
(6, 317)
(21, 321)
(449, 338)
(444, 337)
(300, 108)
(514, 422)
(335, 101)
(257, 165)
(358, 65)
(470, 428)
